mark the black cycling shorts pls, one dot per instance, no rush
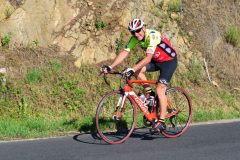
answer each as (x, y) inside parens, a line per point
(166, 69)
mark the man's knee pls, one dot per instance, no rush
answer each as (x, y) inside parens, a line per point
(161, 88)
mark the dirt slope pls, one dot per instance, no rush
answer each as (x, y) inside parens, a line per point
(208, 21)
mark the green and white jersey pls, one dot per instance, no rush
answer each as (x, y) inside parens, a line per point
(154, 43)
(149, 43)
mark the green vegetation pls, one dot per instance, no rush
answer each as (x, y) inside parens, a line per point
(232, 35)
(56, 97)
(39, 126)
(49, 100)
(99, 24)
(218, 114)
(215, 104)
(159, 4)
(34, 76)
(55, 65)
(5, 40)
(119, 43)
(175, 6)
(196, 69)
(35, 43)
(8, 13)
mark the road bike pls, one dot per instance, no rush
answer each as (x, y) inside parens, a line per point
(116, 114)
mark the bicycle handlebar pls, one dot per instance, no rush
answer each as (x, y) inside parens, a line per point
(123, 76)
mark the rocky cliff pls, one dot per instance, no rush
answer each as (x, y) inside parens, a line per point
(75, 26)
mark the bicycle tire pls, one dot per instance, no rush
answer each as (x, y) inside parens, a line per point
(115, 130)
(178, 100)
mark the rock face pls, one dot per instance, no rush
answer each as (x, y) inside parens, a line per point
(35, 20)
(87, 29)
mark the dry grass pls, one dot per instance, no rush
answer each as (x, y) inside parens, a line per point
(209, 37)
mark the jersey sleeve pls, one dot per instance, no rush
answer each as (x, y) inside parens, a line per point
(131, 44)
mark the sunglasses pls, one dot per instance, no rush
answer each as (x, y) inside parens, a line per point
(136, 31)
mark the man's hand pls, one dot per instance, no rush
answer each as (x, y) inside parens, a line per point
(129, 72)
(105, 69)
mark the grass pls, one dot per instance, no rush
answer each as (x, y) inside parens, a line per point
(34, 75)
(8, 13)
(196, 71)
(232, 35)
(175, 6)
(29, 127)
(218, 114)
(56, 65)
(99, 24)
(215, 104)
(119, 43)
(6, 39)
(49, 95)
(56, 97)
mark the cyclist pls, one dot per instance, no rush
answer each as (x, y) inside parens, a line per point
(160, 56)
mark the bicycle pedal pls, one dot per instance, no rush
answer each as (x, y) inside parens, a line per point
(154, 131)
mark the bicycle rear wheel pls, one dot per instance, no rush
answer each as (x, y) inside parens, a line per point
(179, 111)
(115, 118)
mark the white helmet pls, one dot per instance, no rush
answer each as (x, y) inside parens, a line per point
(135, 24)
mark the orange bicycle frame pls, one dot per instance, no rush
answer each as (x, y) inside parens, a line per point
(129, 92)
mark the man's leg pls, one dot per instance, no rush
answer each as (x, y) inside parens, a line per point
(167, 69)
(161, 90)
(160, 124)
(140, 74)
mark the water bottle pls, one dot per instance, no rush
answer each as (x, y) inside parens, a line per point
(142, 97)
(151, 101)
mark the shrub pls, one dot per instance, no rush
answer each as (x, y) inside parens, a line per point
(175, 6)
(34, 76)
(56, 65)
(232, 35)
(99, 24)
(8, 13)
(195, 71)
(5, 41)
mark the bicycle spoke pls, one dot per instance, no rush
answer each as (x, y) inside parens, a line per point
(115, 126)
(179, 122)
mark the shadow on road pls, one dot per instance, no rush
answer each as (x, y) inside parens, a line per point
(93, 138)
(89, 138)
(90, 135)
(144, 134)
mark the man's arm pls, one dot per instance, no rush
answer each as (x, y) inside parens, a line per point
(120, 57)
(143, 62)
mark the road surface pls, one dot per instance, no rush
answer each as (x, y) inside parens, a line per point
(220, 141)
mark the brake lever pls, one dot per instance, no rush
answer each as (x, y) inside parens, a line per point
(105, 79)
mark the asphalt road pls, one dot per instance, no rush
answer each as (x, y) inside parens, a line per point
(219, 141)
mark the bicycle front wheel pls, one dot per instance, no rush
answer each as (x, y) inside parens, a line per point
(179, 112)
(115, 117)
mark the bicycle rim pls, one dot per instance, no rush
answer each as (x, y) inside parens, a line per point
(115, 130)
(178, 100)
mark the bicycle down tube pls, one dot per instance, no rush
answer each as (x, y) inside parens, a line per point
(128, 91)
